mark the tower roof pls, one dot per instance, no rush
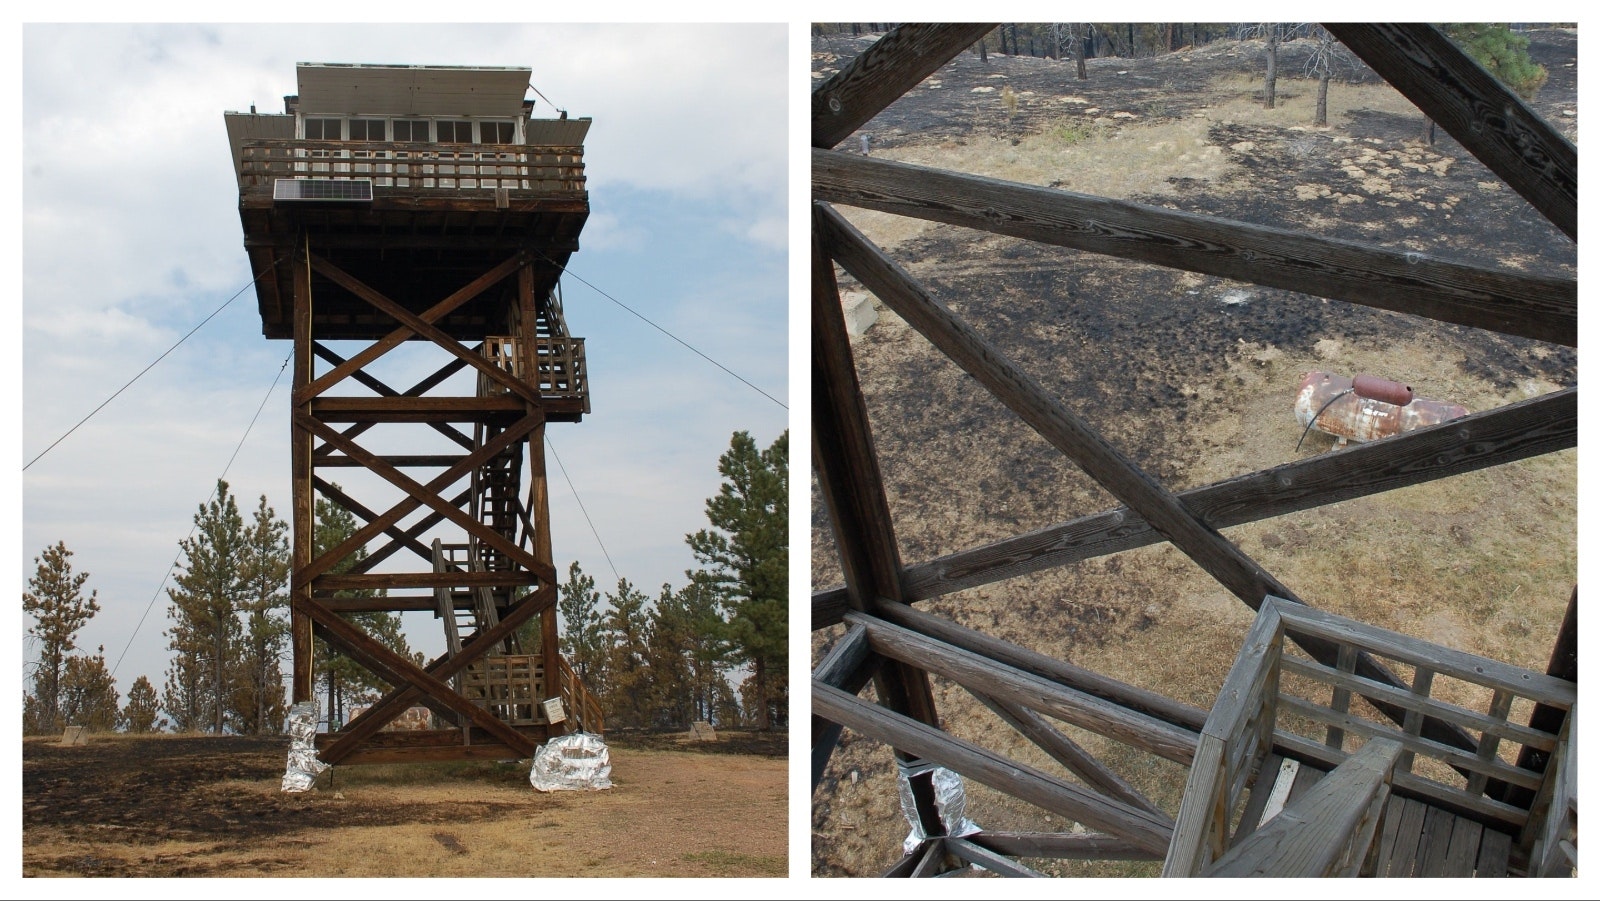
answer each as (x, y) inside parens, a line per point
(352, 89)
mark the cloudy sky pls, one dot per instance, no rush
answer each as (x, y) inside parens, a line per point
(132, 238)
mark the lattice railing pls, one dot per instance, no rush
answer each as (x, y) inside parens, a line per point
(415, 167)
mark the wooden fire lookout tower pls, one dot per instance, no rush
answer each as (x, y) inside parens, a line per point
(424, 207)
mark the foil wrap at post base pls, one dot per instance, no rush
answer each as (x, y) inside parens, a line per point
(576, 762)
(304, 767)
(948, 796)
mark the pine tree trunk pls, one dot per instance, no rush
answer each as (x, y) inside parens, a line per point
(1272, 67)
(1322, 100)
(764, 717)
(1077, 58)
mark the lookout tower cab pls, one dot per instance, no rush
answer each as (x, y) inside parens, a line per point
(423, 207)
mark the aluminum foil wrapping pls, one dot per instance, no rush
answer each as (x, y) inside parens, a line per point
(303, 763)
(575, 762)
(948, 796)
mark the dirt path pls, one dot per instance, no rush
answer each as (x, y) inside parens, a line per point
(202, 806)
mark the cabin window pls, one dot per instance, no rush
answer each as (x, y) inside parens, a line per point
(411, 130)
(324, 129)
(368, 130)
(454, 132)
(497, 132)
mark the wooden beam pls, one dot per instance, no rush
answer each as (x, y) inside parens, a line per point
(989, 860)
(374, 581)
(398, 538)
(1069, 754)
(1062, 845)
(423, 328)
(454, 365)
(988, 677)
(1490, 121)
(852, 492)
(893, 65)
(432, 745)
(984, 766)
(1539, 307)
(1136, 699)
(397, 670)
(417, 495)
(848, 665)
(401, 696)
(416, 409)
(400, 335)
(1516, 431)
(302, 520)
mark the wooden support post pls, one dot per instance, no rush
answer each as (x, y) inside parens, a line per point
(303, 525)
(1545, 717)
(852, 491)
(1539, 307)
(1493, 123)
(893, 65)
(539, 483)
(849, 665)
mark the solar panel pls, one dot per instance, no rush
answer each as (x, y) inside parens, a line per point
(323, 189)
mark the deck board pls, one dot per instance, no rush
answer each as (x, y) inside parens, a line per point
(1403, 855)
(1462, 858)
(1436, 829)
(1494, 853)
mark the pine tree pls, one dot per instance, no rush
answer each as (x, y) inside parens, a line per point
(746, 555)
(257, 701)
(206, 603)
(672, 639)
(143, 712)
(626, 631)
(55, 601)
(1503, 53)
(581, 635)
(88, 693)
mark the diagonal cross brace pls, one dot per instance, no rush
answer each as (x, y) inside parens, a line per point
(425, 329)
(400, 335)
(417, 492)
(402, 696)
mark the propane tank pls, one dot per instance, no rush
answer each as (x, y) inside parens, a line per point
(1374, 388)
(1366, 408)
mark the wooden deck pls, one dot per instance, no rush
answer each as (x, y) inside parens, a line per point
(1415, 840)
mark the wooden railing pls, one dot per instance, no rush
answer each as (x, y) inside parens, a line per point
(1311, 712)
(562, 369)
(415, 167)
(583, 708)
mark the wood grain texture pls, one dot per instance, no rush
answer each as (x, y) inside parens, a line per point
(1514, 432)
(1490, 121)
(1539, 307)
(893, 65)
(1062, 845)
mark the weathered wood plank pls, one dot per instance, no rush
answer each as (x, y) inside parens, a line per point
(1454, 800)
(1462, 856)
(1410, 741)
(367, 581)
(1061, 845)
(1438, 658)
(933, 858)
(1514, 432)
(1326, 833)
(416, 409)
(431, 746)
(1200, 833)
(1563, 665)
(989, 860)
(1403, 856)
(903, 868)
(882, 73)
(848, 665)
(1069, 754)
(1497, 728)
(989, 768)
(1494, 854)
(1435, 844)
(1540, 307)
(1388, 835)
(302, 525)
(996, 679)
(1267, 775)
(1492, 122)
(1089, 682)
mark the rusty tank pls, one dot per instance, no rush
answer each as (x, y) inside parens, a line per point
(1366, 407)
